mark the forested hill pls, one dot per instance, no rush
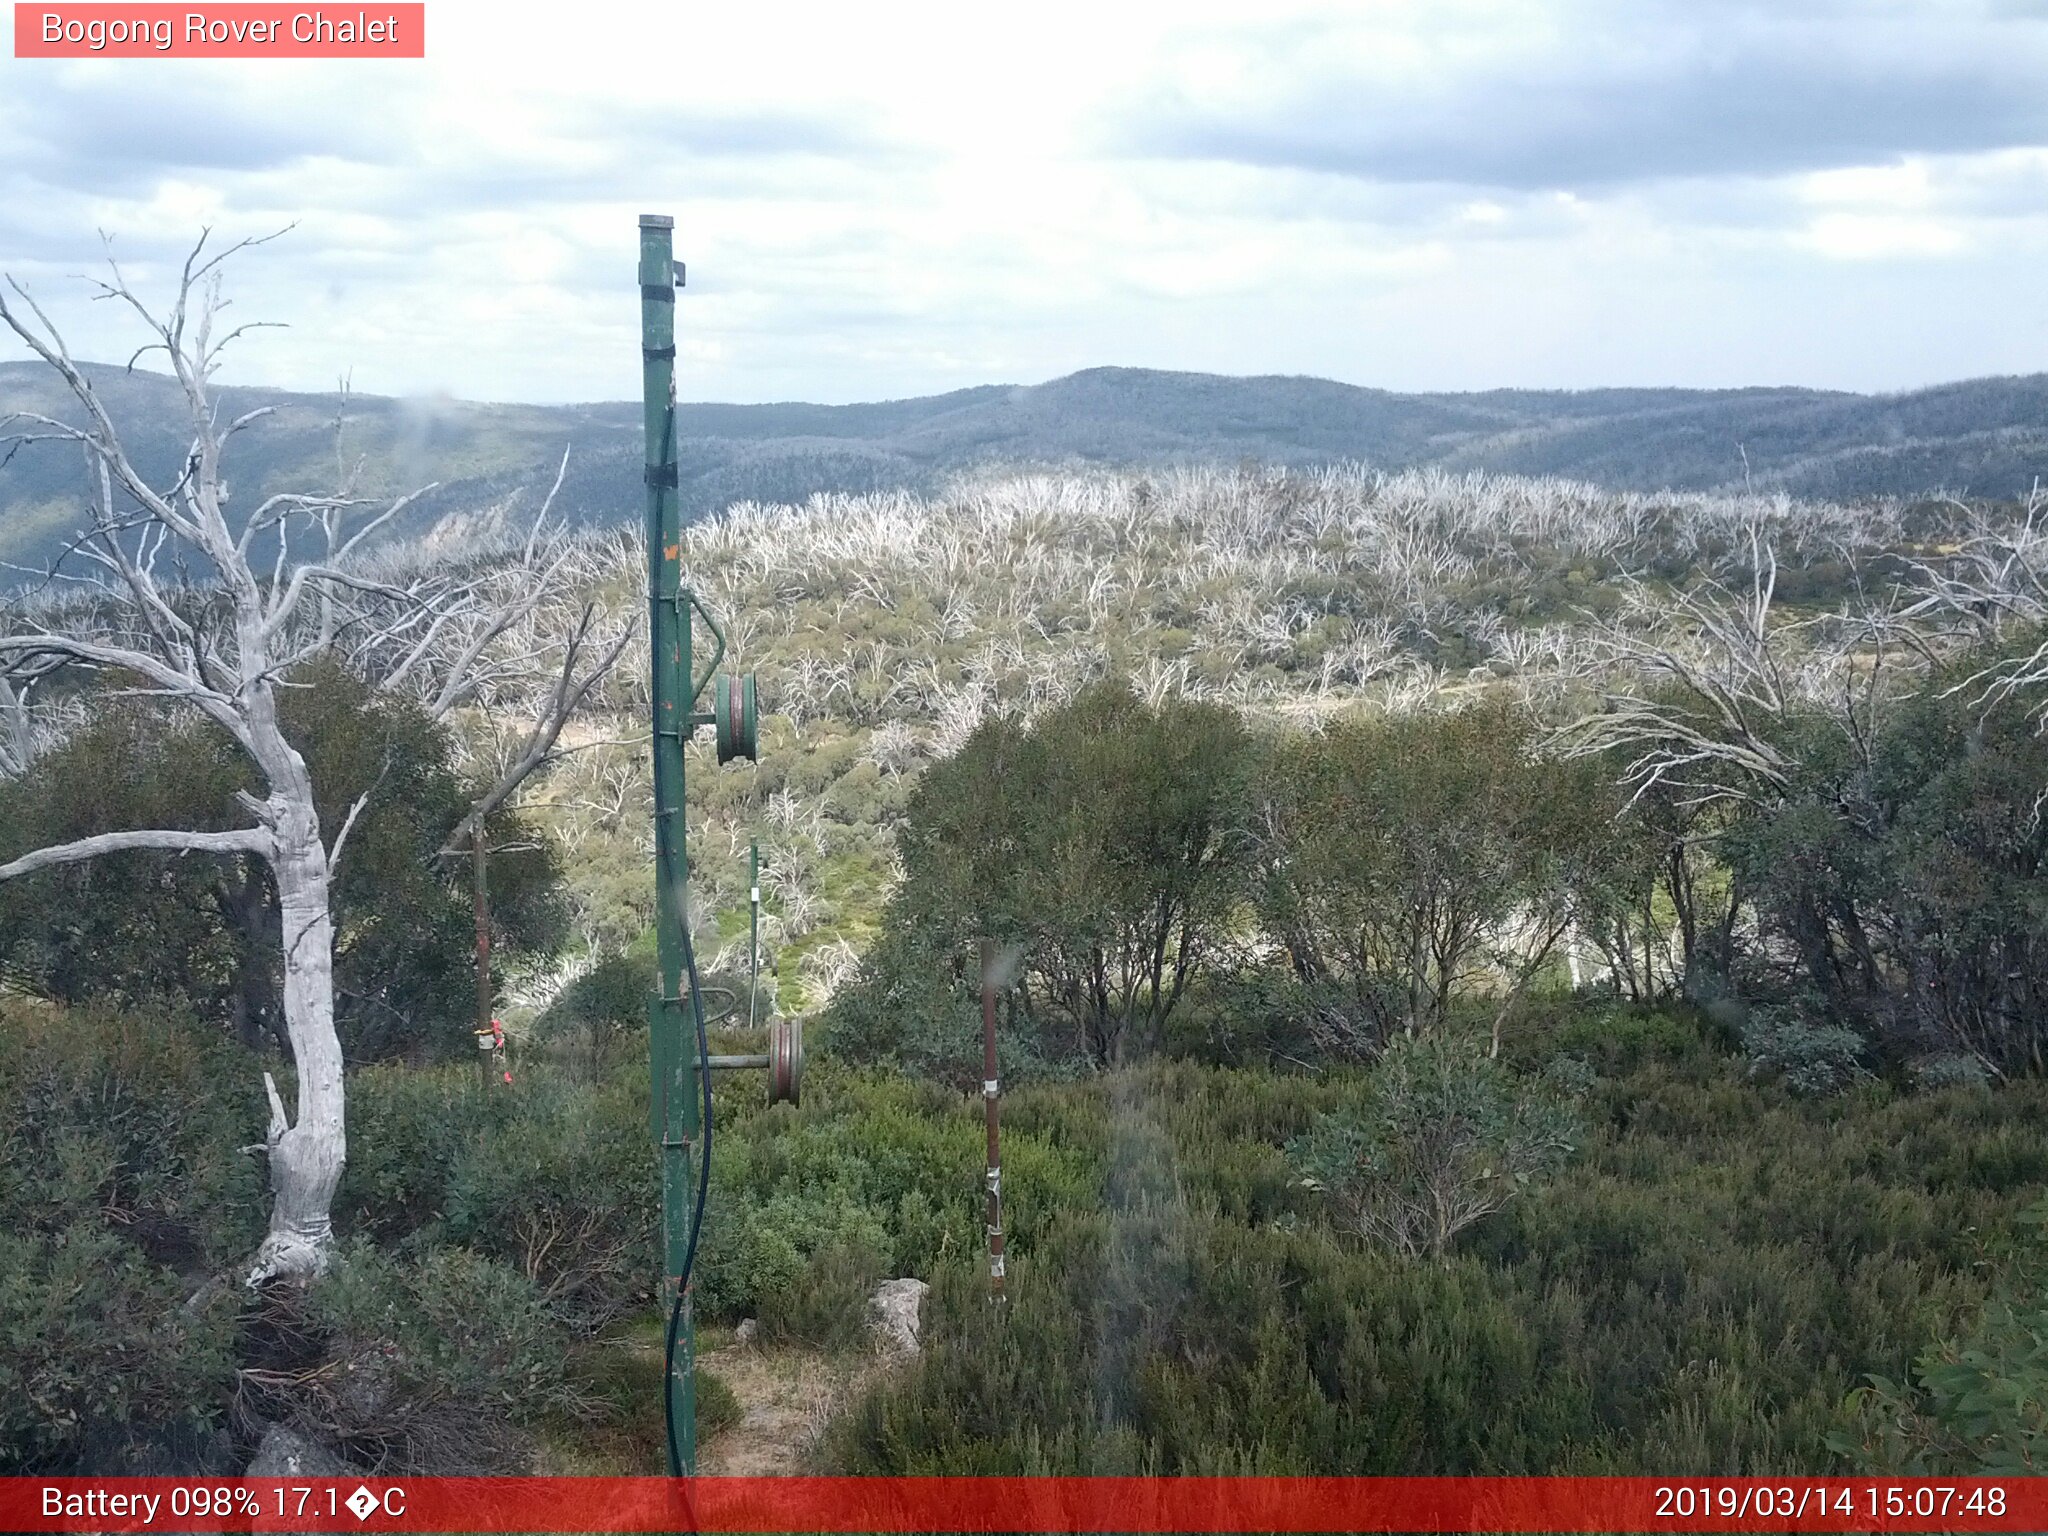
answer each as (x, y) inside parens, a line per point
(1986, 436)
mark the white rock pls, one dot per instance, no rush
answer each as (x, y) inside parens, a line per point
(894, 1310)
(286, 1453)
(744, 1333)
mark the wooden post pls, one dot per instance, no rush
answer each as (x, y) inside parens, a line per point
(991, 1093)
(479, 868)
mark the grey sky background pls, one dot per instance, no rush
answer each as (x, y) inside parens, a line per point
(896, 199)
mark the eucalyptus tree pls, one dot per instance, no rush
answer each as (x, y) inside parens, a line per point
(1409, 861)
(1106, 841)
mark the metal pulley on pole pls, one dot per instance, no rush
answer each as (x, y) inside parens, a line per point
(736, 722)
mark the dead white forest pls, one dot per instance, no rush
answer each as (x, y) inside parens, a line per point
(1674, 641)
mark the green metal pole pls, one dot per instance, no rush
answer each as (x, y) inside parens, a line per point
(671, 1034)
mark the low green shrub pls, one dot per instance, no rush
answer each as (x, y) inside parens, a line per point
(407, 1128)
(1809, 1058)
(566, 1189)
(432, 1362)
(129, 1118)
(554, 1175)
(1446, 1138)
(871, 1162)
(121, 1194)
(1619, 1038)
(1723, 1264)
(1978, 1401)
(102, 1365)
(825, 1305)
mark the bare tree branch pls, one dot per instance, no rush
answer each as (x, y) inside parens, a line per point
(249, 840)
(539, 747)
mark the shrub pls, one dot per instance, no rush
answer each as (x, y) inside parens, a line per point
(1812, 1059)
(1105, 845)
(1618, 1039)
(1266, 1014)
(121, 1193)
(1953, 1070)
(600, 1008)
(1721, 1267)
(129, 1119)
(1416, 858)
(916, 1006)
(1446, 1139)
(102, 1366)
(1900, 881)
(554, 1176)
(429, 1363)
(1980, 1403)
(826, 1304)
(407, 1127)
(869, 1163)
(566, 1189)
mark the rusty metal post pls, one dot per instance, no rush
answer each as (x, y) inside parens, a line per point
(991, 1094)
(479, 870)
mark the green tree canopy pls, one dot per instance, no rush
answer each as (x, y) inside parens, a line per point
(1407, 857)
(1901, 883)
(1104, 846)
(137, 924)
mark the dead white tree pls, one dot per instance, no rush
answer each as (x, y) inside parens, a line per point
(1993, 585)
(517, 647)
(224, 659)
(224, 649)
(1726, 681)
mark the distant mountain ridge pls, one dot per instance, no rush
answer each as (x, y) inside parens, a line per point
(1984, 436)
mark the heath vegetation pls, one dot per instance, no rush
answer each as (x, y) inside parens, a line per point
(1497, 975)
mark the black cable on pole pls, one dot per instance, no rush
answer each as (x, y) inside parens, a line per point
(680, 906)
(675, 1311)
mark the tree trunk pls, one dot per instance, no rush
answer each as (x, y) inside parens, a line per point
(252, 922)
(306, 1154)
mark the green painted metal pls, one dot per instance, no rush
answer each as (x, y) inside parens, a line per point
(675, 1107)
(671, 1033)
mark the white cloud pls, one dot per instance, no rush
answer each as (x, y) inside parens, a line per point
(901, 198)
(1880, 236)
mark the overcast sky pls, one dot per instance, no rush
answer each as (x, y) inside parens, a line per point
(878, 200)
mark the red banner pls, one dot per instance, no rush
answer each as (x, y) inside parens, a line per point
(236, 31)
(1062, 1504)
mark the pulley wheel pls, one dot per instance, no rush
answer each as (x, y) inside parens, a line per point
(737, 721)
(785, 1061)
